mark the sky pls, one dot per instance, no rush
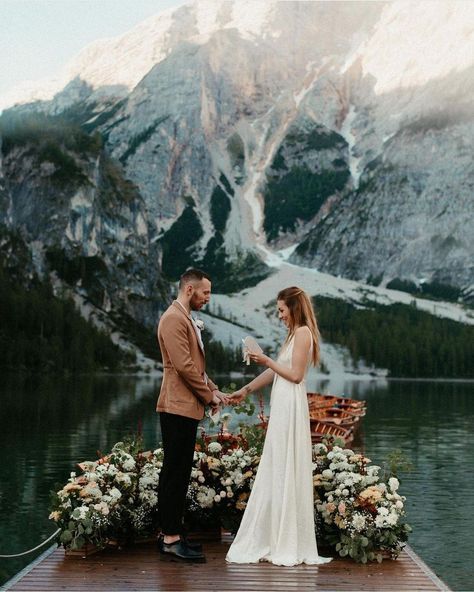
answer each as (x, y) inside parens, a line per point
(38, 37)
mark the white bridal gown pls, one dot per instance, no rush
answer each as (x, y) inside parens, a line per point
(278, 522)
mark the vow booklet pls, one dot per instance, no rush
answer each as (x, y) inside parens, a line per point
(250, 346)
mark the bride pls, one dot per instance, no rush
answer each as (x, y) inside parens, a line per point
(278, 522)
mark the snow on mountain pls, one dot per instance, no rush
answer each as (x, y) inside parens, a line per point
(335, 135)
(252, 311)
(415, 42)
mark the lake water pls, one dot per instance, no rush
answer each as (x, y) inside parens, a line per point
(46, 426)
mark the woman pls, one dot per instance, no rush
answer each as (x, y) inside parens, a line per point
(278, 522)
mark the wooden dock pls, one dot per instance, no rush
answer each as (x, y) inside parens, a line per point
(139, 568)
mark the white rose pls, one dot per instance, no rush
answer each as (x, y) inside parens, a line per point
(327, 474)
(217, 498)
(399, 504)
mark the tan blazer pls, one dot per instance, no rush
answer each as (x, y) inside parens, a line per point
(184, 390)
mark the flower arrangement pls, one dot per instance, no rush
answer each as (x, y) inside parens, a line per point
(115, 498)
(357, 512)
(221, 480)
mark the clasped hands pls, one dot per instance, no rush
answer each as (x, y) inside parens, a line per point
(222, 399)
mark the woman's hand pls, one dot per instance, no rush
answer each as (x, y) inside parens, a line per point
(259, 358)
(238, 396)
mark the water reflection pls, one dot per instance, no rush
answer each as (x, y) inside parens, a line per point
(46, 426)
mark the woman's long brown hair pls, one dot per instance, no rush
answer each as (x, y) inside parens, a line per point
(301, 314)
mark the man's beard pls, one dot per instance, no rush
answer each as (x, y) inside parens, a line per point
(194, 304)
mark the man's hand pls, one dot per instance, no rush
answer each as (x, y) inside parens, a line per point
(216, 402)
(222, 398)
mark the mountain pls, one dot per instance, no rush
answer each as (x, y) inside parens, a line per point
(237, 134)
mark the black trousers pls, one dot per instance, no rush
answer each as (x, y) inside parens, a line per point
(179, 440)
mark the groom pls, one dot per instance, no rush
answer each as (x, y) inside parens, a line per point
(185, 391)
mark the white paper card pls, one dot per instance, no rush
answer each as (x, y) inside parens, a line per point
(250, 346)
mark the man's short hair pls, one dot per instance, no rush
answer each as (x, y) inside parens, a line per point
(192, 275)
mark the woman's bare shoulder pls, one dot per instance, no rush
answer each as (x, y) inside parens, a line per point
(303, 330)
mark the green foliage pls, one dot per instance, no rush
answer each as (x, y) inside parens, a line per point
(223, 179)
(236, 150)
(115, 189)
(399, 337)
(67, 170)
(397, 462)
(220, 359)
(436, 290)
(42, 333)
(138, 334)
(298, 195)
(220, 208)
(279, 163)
(89, 270)
(230, 275)
(51, 139)
(141, 138)
(20, 129)
(178, 242)
(319, 138)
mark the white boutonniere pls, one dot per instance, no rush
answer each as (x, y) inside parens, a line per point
(199, 324)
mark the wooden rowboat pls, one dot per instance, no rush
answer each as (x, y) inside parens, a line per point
(315, 401)
(320, 430)
(335, 416)
(318, 400)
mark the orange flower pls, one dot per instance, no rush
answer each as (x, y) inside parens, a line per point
(72, 487)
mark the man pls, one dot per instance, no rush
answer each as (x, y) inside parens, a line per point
(185, 391)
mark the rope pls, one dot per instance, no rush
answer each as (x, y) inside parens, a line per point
(54, 535)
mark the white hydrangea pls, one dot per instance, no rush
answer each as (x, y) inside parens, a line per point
(320, 448)
(102, 507)
(123, 478)
(115, 494)
(358, 522)
(391, 519)
(129, 464)
(380, 521)
(393, 483)
(112, 470)
(146, 481)
(214, 447)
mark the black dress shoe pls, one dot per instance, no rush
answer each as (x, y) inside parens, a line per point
(179, 551)
(191, 544)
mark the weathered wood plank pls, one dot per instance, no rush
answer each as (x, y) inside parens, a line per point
(139, 568)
